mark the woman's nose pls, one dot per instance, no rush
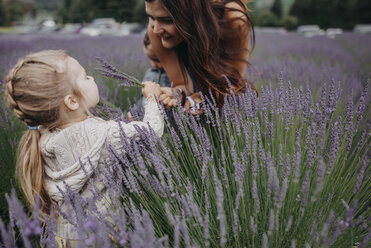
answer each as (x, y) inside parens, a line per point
(157, 28)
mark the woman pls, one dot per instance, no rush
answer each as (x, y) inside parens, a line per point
(199, 44)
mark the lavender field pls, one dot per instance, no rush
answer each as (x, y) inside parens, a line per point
(290, 168)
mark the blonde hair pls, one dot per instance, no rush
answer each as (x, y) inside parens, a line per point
(35, 91)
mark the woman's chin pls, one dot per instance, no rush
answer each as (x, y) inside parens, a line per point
(171, 41)
(167, 44)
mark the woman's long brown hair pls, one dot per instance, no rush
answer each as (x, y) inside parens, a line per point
(204, 50)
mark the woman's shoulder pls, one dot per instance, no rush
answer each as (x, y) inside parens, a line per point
(235, 5)
(235, 11)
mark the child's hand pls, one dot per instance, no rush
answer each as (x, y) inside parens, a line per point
(130, 116)
(151, 90)
(167, 98)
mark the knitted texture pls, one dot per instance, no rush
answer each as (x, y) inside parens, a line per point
(73, 155)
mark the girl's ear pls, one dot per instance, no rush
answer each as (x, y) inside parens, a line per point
(71, 102)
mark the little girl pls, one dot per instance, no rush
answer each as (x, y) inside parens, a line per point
(64, 145)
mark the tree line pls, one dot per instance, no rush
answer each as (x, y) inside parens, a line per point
(87, 10)
(325, 13)
(332, 13)
(73, 11)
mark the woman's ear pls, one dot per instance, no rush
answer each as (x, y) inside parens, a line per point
(70, 101)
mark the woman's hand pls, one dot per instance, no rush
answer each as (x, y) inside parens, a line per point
(151, 90)
(168, 99)
(192, 104)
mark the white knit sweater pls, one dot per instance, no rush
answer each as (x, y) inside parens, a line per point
(64, 150)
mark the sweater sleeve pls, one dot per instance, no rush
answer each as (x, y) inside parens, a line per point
(153, 118)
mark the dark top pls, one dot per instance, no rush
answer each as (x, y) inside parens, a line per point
(158, 76)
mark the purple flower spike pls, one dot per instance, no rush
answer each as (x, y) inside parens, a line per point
(109, 70)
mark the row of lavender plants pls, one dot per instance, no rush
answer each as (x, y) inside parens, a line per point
(278, 170)
(289, 168)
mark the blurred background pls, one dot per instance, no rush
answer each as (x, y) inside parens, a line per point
(116, 17)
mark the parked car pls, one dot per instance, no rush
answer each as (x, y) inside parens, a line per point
(26, 28)
(272, 30)
(130, 28)
(44, 26)
(310, 30)
(101, 26)
(71, 28)
(48, 26)
(332, 32)
(362, 28)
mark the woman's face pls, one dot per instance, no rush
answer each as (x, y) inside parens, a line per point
(162, 24)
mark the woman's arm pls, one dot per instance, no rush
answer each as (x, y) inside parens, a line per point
(239, 24)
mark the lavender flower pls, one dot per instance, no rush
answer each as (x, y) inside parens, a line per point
(253, 226)
(331, 195)
(221, 216)
(293, 243)
(305, 190)
(265, 241)
(271, 222)
(239, 168)
(332, 98)
(7, 235)
(110, 71)
(361, 105)
(321, 169)
(360, 175)
(334, 147)
(282, 194)
(297, 158)
(348, 121)
(255, 196)
(206, 231)
(326, 226)
(366, 240)
(289, 223)
(184, 230)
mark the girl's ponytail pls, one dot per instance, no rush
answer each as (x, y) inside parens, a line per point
(30, 171)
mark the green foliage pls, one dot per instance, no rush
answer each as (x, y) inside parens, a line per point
(15, 10)
(332, 13)
(3, 16)
(87, 10)
(277, 8)
(139, 14)
(290, 22)
(273, 17)
(362, 9)
(11, 131)
(303, 10)
(48, 4)
(265, 18)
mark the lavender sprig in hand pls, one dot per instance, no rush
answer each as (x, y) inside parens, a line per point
(109, 70)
